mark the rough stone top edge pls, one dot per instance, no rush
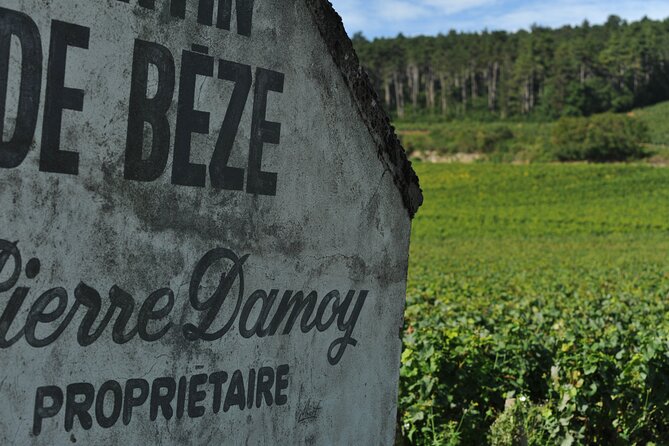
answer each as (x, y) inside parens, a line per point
(389, 148)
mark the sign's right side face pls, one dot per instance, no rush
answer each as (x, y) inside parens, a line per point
(198, 241)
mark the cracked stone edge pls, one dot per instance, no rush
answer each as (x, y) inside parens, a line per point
(389, 148)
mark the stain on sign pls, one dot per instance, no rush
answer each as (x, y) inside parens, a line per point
(204, 228)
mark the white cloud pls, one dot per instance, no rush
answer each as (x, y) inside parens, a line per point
(355, 18)
(455, 6)
(572, 12)
(388, 17)
(412, 17)
(399, 11)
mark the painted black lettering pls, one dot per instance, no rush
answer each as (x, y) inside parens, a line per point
(236, 396)
(55, 395)
(299, 305)
(149, 110)
(126, 303)
(264, 387)
(217, 380)
(251, 389)
(189, 120)
(90, 298)
(281, 384)
(222, 175)
(149, 4)
(244, 16)
(9, 316)
(13, 23)
(259, 328)
(199, 48)
(338, 347)
(148, 313)
(10, 251)
(212, 306)
(254, 313)
(196, 396)
(324, 325)
(103, 420)
(59, 98)
(33, 268)
(131, 400)
(263, 132)
(79, 409)
(39, 315)
(181, 397)
(178, 8)
(205, 12)
(160, 401)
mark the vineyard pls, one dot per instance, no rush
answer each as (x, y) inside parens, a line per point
(538, 307)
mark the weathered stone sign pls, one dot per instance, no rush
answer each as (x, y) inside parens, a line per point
(204, 226)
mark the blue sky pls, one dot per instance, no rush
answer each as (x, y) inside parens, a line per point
(379, 18)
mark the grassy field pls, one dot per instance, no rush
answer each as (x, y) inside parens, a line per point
(543, 289)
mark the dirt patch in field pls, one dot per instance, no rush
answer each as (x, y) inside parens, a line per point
(413, 132)
(435, 157)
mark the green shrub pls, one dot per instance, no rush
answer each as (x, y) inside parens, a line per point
(521, 424)
(416, 141)
(457, 137)
(600, 138)
(494, 139)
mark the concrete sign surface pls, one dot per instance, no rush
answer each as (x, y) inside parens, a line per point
(204, 227)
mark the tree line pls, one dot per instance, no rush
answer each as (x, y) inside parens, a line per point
(544, 73)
